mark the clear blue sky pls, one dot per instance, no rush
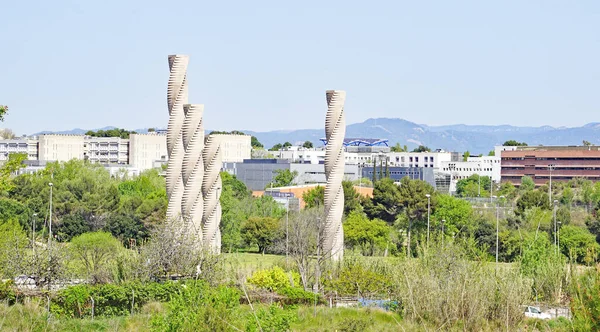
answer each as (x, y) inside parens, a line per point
(265, 65)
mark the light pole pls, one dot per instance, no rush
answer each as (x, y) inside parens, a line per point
(551, 168)
(554, 212)
(428, 213)
(50, 216)
(558, 234)
(479, 179)
(443, 221)
(497, 227)
(491, 189)
(33, 234)
(287, 245)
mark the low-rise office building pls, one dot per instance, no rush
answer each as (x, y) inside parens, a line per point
(561, 163)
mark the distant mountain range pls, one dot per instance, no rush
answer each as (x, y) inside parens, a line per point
(474, 138)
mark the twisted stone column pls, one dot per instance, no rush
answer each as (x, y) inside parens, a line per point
(211, 192)
(193, 168)
(177, 96)
(335, 130)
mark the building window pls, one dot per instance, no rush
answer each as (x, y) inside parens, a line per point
(426, 159)
(416, 159)
(431, 159)
(410, 160)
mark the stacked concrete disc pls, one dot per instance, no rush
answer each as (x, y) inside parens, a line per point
(335, 130)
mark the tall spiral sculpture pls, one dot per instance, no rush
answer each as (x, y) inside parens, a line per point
(211, 192)
(177, 96)
(335, 130)
(193, 168)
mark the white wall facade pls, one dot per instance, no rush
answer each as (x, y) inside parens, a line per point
(145, 149)
(234, 148)
(60, 147)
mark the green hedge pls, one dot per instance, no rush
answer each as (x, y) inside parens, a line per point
(110, 299)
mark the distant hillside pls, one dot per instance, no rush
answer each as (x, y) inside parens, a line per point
(474, 138)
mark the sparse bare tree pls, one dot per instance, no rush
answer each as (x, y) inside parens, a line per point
(7, 133)
(175, 251)
(304, 244)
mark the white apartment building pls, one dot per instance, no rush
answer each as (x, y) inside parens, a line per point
(60, 147)
(234, 148)
(146, 149)
(106, 150)
(317, 156)
(483, 166)
(28, 146)
(433, 159)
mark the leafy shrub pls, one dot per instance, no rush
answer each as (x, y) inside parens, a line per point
(355, 324)
(299, 296)
(540, 262)
(199, 307)
(273, 318)
(585, 304)
(110, 299)
(7, 292)
(358, 276)
(274, 279)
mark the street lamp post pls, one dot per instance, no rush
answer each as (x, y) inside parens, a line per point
(551, 168)
(428, 213)
(287, 245)
(554, 212)
(497, 227)
(33, 234)
(443, 221)
(50, 216)
(558, 236)
(479, 179)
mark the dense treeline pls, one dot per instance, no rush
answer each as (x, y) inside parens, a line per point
(111, 232)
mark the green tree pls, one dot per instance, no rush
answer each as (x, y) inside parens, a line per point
(530, 199)
(540, 262)
(579, 244)
(7, 170)
(491, 153)
(261, 231)
(527, 183)
(413, 202)
(567, 196)
(397, 148)
(276, 147)
(255, 143)
(3, 112)
(385, 202)
(512, 142)
(13, 243)
(364, 234)
(287, 145)
(283, 178)
(114, 132)
(422, 148)
(307, 145)
(351, 197)
(314, 197)
(457, 213)
(466, 155)
(98, 253)
(508, 190)
(586, 143)
(473, 186)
